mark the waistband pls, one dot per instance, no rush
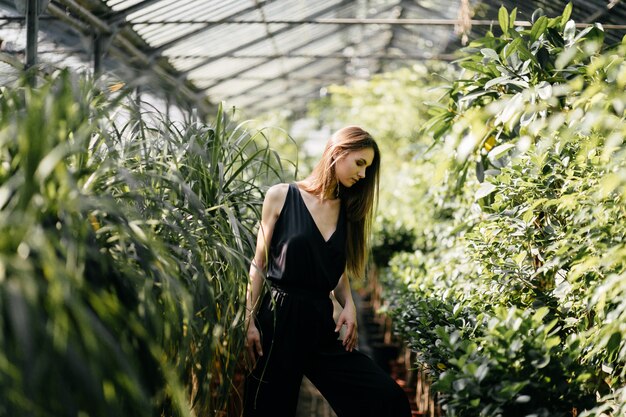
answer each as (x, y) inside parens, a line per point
(299, 292)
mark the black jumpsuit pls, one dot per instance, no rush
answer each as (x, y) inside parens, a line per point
(297, 329)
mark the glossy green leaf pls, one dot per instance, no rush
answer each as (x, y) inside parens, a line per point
(565, 16)
(503, 19)
(513, 17)
(538, 28)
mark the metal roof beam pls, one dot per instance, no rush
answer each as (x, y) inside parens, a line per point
(100, 25)
(21, 19)
(334, 55)
(291, 77)
(32, 30)
(304, 93)
(269, 80)
(351, 21)
(264, 81)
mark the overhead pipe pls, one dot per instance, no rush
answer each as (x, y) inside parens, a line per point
(97, 23)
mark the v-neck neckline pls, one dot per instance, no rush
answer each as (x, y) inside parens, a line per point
(319, 232)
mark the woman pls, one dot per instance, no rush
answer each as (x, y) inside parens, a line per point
(314, 235)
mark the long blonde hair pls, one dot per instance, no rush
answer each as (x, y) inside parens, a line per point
(359, 200)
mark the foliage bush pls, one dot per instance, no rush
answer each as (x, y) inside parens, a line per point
(515, 298)
(123, 250)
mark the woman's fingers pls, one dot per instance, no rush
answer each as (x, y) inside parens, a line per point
(259, 349)
(254, 350)
(340, 323)
(351, 336)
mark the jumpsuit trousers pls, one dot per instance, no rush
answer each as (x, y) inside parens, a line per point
(298, 338)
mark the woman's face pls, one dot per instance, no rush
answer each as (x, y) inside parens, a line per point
(350, 168)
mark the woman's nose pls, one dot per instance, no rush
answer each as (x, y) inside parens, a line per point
(362, 173)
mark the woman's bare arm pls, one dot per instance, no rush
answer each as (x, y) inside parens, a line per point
(272, 205)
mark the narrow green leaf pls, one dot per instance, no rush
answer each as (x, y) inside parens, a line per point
(513, 17)
(567, 12)
(511, 47)
(503, 18)
(497, 81)
(500, 150)
(476, 67)
(540, 314)
(528, 216)
(539, 27)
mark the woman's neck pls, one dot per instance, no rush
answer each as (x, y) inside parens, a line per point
(330, 194)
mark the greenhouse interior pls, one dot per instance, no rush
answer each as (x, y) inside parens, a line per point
(476, 228)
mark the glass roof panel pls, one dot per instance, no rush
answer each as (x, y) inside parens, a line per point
(189, 9)
(279, 47)
(229, 86)
(158, 34)
(221, 68)
(296, 38)
(221, 39)
(277, 67)
(122, 4)
(302, 9)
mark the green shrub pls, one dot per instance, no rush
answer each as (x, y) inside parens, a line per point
(516, 299)
(517, 367)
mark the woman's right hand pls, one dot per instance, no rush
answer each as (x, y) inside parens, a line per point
(253, 345)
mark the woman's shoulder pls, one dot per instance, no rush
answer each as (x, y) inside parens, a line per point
(277, 190)
(276, 195)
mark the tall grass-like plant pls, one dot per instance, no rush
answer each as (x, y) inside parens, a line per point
(202, 185)
(123, 255)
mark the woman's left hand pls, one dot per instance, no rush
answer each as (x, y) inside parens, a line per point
(348, 317)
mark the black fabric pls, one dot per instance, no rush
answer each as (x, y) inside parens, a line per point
(299, 256)
(296, 323)
(298, 339)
